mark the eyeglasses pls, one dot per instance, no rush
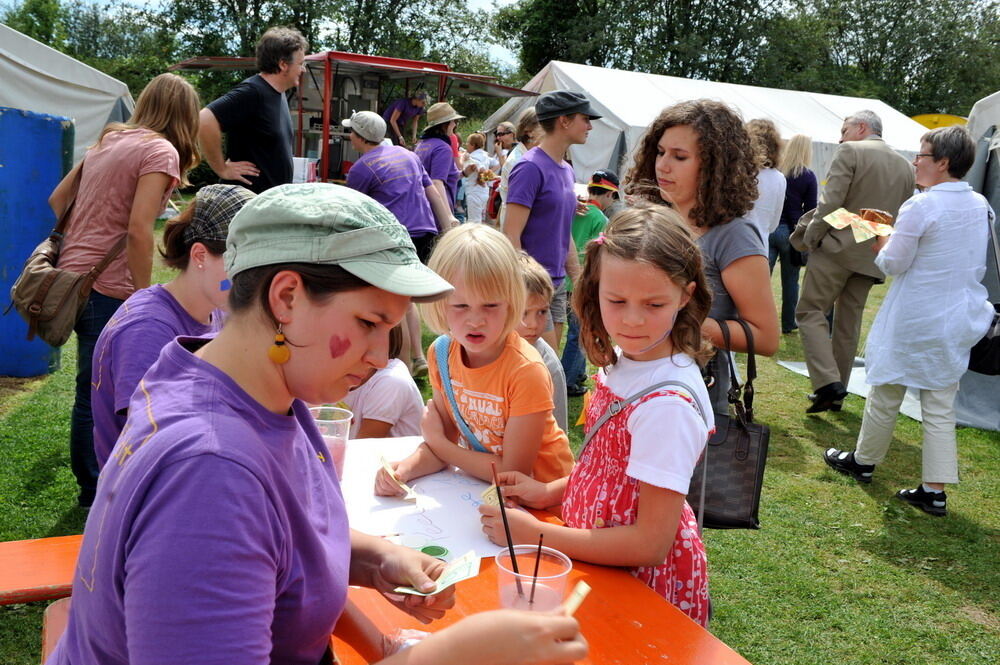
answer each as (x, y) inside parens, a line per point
(923, 154)
(503, 133)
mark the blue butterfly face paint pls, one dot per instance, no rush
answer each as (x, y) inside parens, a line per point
(225, 285)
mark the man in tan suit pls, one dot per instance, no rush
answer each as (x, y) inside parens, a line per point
(866, 173)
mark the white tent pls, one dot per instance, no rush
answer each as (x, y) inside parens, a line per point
(984, 114)
(37, 78)
(977, 402)
(629, 101)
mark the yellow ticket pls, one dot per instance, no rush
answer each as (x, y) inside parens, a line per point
(489, 496)
(410, 494)
(576, 597)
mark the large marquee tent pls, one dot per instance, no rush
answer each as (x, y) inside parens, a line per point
(41, 79)
(629, 101)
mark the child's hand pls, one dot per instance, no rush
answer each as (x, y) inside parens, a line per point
(524, 489)
(524, 528)
(385, 485)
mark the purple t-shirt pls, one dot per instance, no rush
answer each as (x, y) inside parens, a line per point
(407, 112)
(546, 187)
(394, 177)
(221, 537)
(439, 162)
(127, 347)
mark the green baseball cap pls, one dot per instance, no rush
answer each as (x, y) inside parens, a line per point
(333, 225)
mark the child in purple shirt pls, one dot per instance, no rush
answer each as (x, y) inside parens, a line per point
(220, 535)
(188, 305)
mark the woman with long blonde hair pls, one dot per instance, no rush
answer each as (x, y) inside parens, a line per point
(800, 197)
(116, 192)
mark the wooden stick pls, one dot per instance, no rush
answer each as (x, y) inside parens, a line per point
(534, 576)
(506, 528)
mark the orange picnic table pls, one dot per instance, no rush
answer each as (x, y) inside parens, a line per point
(623, 620)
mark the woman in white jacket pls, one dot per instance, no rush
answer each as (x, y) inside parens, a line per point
(934, 312)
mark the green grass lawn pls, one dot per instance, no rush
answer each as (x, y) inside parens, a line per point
(839, 573)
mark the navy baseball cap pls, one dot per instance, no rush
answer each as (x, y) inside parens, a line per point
(564, 102)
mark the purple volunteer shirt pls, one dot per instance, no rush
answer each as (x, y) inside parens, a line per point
(407, 112)
(394, 177)
(539, 183)
(127, 347)
(219, 537)
(439, 162)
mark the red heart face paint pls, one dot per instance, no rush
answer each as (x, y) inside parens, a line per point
(339, 346)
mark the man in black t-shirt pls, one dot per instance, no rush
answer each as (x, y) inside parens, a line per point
(254, 116)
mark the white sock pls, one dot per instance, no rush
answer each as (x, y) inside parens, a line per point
(929, 489)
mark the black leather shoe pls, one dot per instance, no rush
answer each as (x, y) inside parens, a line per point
(829, 397)
(845, 463)
(835, 406)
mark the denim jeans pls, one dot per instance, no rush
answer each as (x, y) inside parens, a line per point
(96, 314)
(778, 246)
(573, 362)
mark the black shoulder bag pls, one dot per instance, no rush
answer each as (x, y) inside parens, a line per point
(730, 475)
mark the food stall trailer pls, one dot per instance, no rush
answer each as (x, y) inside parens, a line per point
(336, 84)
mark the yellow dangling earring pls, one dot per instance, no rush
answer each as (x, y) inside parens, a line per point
(279, 352)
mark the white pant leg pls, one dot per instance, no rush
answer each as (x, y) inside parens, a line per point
(940, 452)
(475, 204)
(878, 422)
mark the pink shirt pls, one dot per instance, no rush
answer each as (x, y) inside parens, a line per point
(103, 204)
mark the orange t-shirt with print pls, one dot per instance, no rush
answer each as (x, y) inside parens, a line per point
(515, 384)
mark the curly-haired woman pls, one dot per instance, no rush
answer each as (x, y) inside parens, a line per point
(697, 158)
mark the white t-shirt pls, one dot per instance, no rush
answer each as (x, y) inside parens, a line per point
(766, 211)
(668, 434)
(483, 160)
(553, 364)
(390, 396)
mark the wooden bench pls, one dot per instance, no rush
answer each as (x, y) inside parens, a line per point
(40, 569)
(43, 569)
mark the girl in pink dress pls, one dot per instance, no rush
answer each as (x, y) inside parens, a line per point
(641, 302)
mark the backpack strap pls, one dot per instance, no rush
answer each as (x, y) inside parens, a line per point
(441, 347)
(616, 406)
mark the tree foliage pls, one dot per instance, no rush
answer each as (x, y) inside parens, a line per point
(921, 57)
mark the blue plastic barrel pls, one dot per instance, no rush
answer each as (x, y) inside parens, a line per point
(36, 151)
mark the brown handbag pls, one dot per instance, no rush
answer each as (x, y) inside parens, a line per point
(728, 479)
(51, 299)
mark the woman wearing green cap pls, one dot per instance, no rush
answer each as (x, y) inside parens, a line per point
(219, 535)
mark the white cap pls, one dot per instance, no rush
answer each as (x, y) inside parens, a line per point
(369, 126)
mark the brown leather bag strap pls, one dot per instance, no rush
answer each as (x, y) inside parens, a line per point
(35, 308)
(60, 228)
(96, 271)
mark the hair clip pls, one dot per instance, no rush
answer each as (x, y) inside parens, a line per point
(600, 238)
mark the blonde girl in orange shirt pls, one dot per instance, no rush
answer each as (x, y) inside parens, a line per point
(501, 385)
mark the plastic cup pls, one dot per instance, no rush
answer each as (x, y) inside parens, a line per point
(550, 586)
(334, 424)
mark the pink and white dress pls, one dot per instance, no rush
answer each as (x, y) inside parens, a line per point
(600, 494)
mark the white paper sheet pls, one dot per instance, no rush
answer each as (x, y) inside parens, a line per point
(445, 513)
